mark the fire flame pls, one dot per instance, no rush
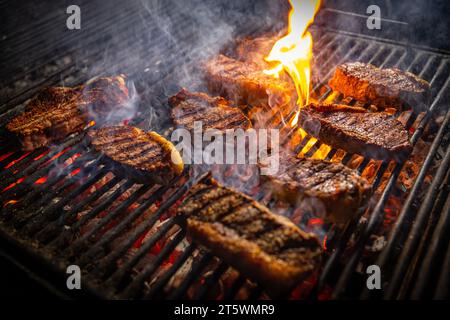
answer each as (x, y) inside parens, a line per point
(293, 52)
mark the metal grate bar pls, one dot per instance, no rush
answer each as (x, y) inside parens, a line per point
(25, 40)
(146, 225)
(378, 212)
(115, 231)
(52, 230)
(77, 50)
(22, 164)
(347, 55)
(81, 242)
(194, 274)
(32, 168)
(421, 218)
(438, 242)
(98, 27)
(405, 213)
(162, 281)
(29, 199)
(389, 57)
(129, 45)
(211, 281)
(121, 273)
(29, 181)
(52, 211)
(442, 290)
(235, 288)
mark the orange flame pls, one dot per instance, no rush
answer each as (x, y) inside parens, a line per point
(293, 52)
(10, 202)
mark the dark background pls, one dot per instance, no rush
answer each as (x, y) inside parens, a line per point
(428, 20)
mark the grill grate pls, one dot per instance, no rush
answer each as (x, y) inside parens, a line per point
(42, 213)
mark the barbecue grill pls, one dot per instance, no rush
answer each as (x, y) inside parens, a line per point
(63, 206)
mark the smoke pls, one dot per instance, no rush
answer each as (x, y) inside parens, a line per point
(211, 26)
(417, 21)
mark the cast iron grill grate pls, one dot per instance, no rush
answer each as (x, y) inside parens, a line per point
(59, 218)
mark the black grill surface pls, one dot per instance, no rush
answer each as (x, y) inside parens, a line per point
(63, 205)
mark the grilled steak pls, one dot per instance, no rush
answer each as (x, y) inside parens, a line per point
(144, 155)
(57, 112)
(246, 83)
(323, 185)
(382, 87)
(261, 245)
(214, 113)
(254, 50)
(376, 135)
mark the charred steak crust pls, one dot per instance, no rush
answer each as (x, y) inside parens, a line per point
(56, 112)
(255, 50)
(213, 112)
(382, 87)
(261, 245)
(142, 154)
(340, 189)
(375, 135)
(244, 83)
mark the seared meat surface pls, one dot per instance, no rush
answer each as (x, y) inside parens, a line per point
(382, 87)
(213, 112)
(323, 185)
(254, 50)
(375, 135)
(56, 112)
(246, 83)
(261, 245)
(143, 155)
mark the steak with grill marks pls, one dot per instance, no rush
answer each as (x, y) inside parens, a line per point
(261, 245)
(373, 134)
(56, 112)
(254, 50)
(143, 155)
(245, 83)
(382, 87)
(214, 113)
(331, 188)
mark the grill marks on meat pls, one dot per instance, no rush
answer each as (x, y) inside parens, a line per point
(376, 135)
(382, 87)
(340, 190)
(244, 83)
(254, 50)
(57, 112)
(214, 113)
(261, 245)
(142, 154)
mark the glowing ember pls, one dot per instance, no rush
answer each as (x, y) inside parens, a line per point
(293, 52)
(41, 180)
(75, 172)
(17, 160)
(41, 155)
(315, 221)
(10, 202)
(3, 157)
(14, 184)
